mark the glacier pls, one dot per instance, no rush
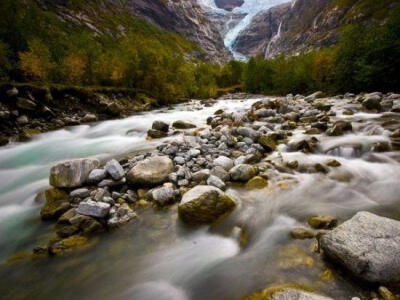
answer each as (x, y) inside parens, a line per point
(250, 9)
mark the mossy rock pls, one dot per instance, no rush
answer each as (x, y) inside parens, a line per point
(268, 142)
(257, 183)
(56, 204)
(204, 204)
(75, 242)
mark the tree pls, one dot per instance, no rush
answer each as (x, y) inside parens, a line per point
(36, 63)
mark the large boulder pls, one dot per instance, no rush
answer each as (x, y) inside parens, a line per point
(72, 173)
(242, 172)
(151, 171)
(56, 204)
(367, 245)
(204, 204)
(160, 126)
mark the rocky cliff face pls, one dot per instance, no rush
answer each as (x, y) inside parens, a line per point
(187, 18)
(229, 5)
(184, 17)
(303, 25)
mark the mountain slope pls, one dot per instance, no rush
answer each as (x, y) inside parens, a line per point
(307, 24)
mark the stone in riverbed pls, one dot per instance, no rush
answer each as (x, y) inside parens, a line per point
(114, 169)
(295, 294)
(302, 233)
(224, 162)
(257, 182)
(93, 209)
(80, 193)
(56, 204)
(151, 171)
(217, 182)
(97, 175)
(242, 172)
(182, 125)
(156, 134)
(160, 126)
(322, 222)
(220, 173)
(163, 195)
(201, 175)
(204, 204)
(368, 245)
(72, 173)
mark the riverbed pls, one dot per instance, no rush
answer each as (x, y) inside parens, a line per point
(158, 257)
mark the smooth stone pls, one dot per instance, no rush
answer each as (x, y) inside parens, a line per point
(182, 125)
(114, 169)
(93, 209)
(151, 171)
(257, 182)
(295, 294)
(367, 245)
(242, 172)
(160, 126)
(220, 173)
(80, 193)
(201, 175)
(204, 204)
(302, 233)
(217, 182)
(72, 173)
(322, 222)
(224, 162)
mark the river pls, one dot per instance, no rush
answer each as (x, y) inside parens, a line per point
(157, 257)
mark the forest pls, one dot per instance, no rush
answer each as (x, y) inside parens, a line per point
(34, 48)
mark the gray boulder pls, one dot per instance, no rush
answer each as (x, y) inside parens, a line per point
(93, 209)
(80, 193)
(204, 204)
(114, 169)
(242, 172)
(224, 162)
(97, 175)
(248, 132)
(151, 171)
(72, 173)
(367, 245)
(201, 175)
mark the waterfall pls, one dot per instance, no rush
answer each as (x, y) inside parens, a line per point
(273, 40)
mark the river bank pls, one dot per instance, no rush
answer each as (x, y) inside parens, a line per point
(295, 167)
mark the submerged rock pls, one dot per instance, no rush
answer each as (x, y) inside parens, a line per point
(367, 245)
(151, 171)
(72, 173)
(322, 222)
(56, 204)
(204, 204)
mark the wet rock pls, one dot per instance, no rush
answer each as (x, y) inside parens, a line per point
(294, 294)
(114, 169)
(204, 204)
(368, 245)
(114, 109)
(242, 172)
(257, 182)
(163, 195)
(333, 163)
(224, 162)
(97, 175)
(302, 233)
(120, 216)
(201, 175)
(247, 132)
(268, 142)
(321, 168)
(93, 209)
(182, 125)
(386, 294)
(80, 193)
(314, 96)
(322, 222)
(160, 126)
(12, 92)
(88, 118)
(26, 104)
(220, 173)
(68, 244)
(23, 120)
(372, 102)
(294, 164)
(264, 113)
(56, 204)
(216, 181)
(156, 134)
(72, 173)
(151, 171)
(111, 182)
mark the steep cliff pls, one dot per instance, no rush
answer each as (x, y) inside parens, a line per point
(303, 25)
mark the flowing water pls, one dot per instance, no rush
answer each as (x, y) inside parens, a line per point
(157, 257)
